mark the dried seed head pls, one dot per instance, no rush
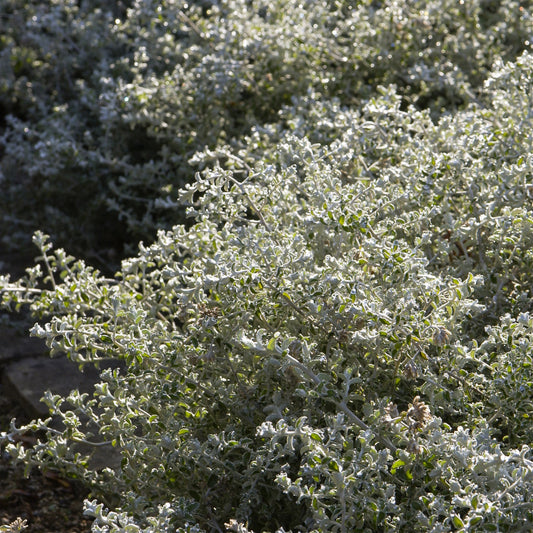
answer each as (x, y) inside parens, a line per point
(413, 447)
(295, 348)
(441, 336)
(410, 371)
(419, 414)
(391, 413)
(291, 376)
(343, 336)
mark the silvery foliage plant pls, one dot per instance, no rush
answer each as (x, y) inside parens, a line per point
(339, 340)
(103, 104)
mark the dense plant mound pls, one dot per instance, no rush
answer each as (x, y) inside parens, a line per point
(103, 104)
(340, 341)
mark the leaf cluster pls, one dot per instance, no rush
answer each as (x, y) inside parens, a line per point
(338, 338)
(103, 106)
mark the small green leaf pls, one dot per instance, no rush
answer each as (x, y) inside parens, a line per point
(474, 520)
(397, 464)
(334, 465)
(457, 522)
(315, 503)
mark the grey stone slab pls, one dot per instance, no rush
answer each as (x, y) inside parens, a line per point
(27, 379)
(17, 345)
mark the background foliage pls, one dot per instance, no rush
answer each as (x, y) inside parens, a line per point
(339, 337)
(103, 106)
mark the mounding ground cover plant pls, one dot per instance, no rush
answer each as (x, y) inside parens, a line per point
(339, 341)
(340, 336)
(103, 104)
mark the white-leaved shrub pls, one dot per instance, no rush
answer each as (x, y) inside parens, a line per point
(340, 340)
(103, 104)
